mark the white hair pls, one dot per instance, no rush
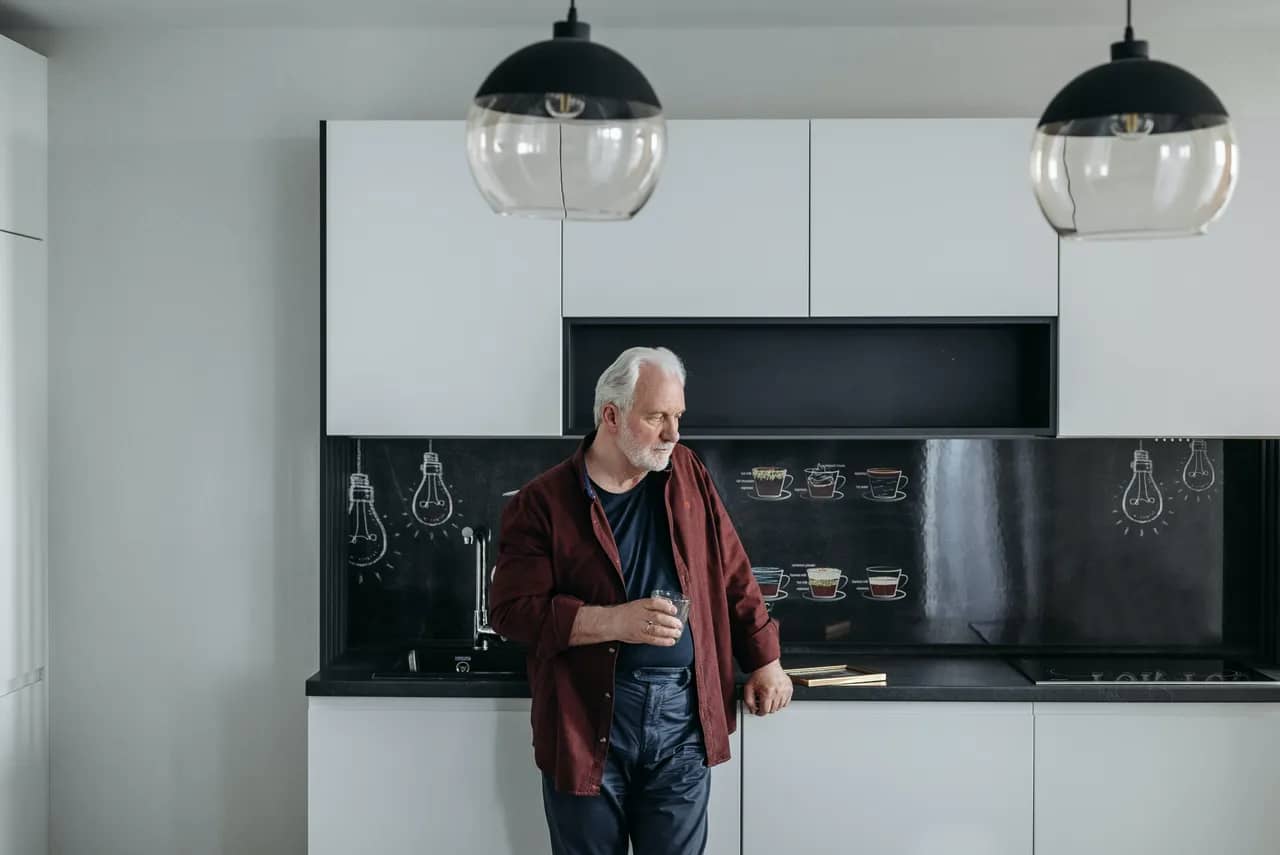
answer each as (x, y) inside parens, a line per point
(617, 385)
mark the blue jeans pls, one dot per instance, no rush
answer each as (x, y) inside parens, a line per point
(656, 781)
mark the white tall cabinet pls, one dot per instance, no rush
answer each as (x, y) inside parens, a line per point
(24, 140)
(23, 458)
(24, 740)
(1178, 337)
(24, 771)
(441, 317)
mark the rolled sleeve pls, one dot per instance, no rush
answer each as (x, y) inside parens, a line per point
(523, 603)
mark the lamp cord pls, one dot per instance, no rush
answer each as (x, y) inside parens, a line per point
(1128, 21)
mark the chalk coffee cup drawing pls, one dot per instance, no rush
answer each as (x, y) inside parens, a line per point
(772, 582)
(884, 582)
(885, 484)
(825, 582)
(824, 482)
(771, 482)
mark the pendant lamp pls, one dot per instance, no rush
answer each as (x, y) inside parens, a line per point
(1134, 148)
(566, 129)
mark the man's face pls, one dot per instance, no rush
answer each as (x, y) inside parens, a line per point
(649, 431)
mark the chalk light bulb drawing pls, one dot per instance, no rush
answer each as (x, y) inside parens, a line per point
(432, 502)
(367, 536)
(1142, 502)
(1198, 473)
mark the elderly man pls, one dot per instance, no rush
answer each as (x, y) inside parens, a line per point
(630, 706)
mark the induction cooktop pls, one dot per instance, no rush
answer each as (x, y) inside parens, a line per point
(1153, 670)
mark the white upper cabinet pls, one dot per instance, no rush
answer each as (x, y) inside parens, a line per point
(928, 217)
(24, 139)
(442, 318)
(1179, 337)
(724, 235)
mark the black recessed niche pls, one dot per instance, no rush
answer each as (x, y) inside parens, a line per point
(836, 377)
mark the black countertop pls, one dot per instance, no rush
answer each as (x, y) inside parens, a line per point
(910, 678)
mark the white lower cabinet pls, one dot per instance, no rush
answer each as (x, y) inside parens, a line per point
(408, 776)
(1178, 779)
(456, 775)
(885, 777)
(724, 811)
(422, 775)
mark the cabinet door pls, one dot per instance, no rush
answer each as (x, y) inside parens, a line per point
(928, 217)
(417, 775)
(1180, 779)
(24, 771)
(724, 808)
(24, 140)
(407, 776)
(1178, 337)
(442, 318)
(23, 455)
(886, 777)
(724, 235)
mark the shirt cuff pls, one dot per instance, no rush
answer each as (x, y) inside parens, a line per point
(760, 649)
(564, 611)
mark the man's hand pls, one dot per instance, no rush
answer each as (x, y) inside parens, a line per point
(768, 689)
(648, 621)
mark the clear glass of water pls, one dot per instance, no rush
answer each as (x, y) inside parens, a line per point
(677, 599)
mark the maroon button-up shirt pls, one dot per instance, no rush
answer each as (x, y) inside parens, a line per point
(556, 553)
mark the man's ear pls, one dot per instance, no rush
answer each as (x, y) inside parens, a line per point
(609, 416)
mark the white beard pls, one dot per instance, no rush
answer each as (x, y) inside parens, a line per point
(644, 457)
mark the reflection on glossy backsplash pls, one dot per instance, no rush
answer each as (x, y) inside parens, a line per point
(1108, 542)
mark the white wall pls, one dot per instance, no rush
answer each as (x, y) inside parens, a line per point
(184, 274)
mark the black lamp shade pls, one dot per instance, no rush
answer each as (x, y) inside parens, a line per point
(566, 129)
(1134, 148)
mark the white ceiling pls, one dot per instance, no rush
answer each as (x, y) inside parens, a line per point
(1162, 14)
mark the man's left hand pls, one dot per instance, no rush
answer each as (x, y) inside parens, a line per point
(768, 689)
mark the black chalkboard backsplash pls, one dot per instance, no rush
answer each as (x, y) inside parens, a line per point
(1114, 542)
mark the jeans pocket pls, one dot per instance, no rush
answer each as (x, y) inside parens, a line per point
(680, 726)
(692, 751)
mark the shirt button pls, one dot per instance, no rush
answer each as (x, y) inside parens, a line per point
(602, 739)
(607, 695)
(612, 649)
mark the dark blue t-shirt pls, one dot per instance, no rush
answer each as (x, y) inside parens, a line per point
(640, 527)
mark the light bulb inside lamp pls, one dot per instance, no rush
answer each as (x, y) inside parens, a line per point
(1132, 126)
(562, 105)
